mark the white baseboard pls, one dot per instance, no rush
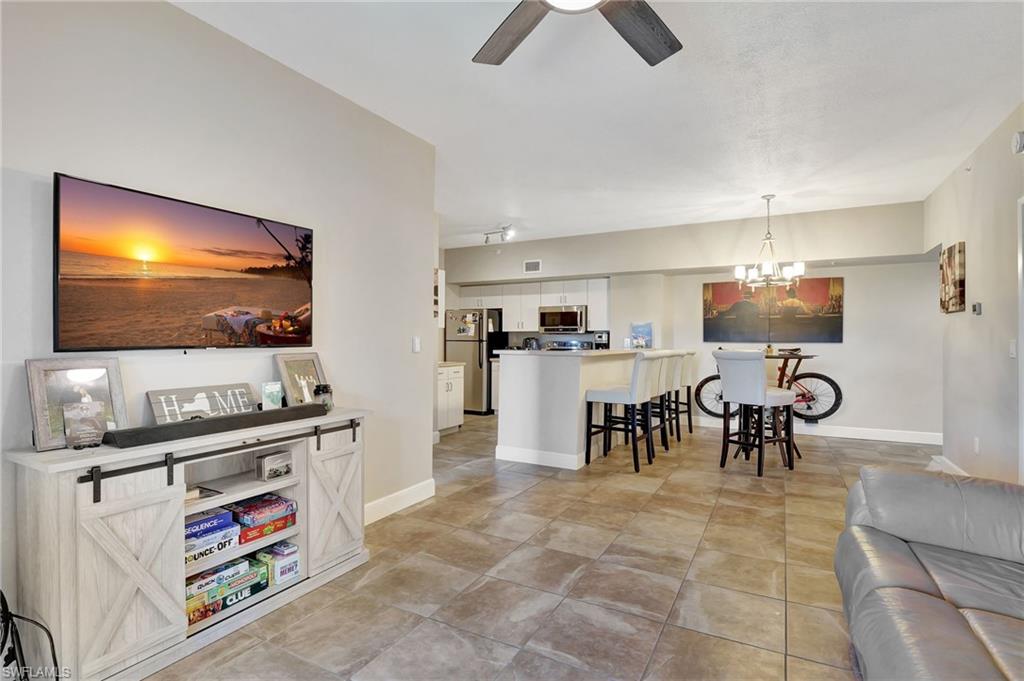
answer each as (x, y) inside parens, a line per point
(437, 437)
(916, 437)
(393, 503)
(539, 457)
(941, 463)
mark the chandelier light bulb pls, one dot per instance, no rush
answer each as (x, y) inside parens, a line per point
(572, 6)
(787, 272)
(740, 272)
(798, 269)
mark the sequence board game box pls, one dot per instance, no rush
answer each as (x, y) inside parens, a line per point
(282, 559)
(224, 541)
(249, 534)
(229, 594)
(262, 509)
(207, 522)
(223, 534)
(221, 574)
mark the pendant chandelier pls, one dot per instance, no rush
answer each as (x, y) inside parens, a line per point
(767, 271)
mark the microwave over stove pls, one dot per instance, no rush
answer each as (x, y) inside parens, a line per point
(563, 319)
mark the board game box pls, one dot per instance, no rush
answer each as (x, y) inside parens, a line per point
(207, 522)
(262, 509)
(211, 549)
(223, 534)
(228, 594)
(284, 567)
(205, 581)
(249, 534)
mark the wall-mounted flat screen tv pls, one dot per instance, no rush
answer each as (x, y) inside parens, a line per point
(134, 271)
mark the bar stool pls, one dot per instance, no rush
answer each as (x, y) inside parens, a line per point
(643, 379)
(680, 381)
(745, 383)
(658, 404)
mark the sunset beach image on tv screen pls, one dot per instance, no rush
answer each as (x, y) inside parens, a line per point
(136, 270)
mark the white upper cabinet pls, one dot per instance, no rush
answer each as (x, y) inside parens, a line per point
(574, 292)
(597, 305)
(480, 296)
(520, 303)
(551, 293)
(529, 306)
(569, 292)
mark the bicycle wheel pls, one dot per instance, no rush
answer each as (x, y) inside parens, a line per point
(708, 396)
(817, 396)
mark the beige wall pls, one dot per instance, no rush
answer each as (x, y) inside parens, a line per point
(144, 95)
(875, 231)
(980, 378)
(889, 364)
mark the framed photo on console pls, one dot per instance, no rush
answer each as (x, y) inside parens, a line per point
(300, 373)
(54, 383)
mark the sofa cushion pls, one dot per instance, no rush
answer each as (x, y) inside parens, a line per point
(868, 559)
(968, 580)
(1004, 638)
(906, 634)
(967, 514)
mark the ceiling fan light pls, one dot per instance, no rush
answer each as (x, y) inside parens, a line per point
(572, 6)
(510, 233)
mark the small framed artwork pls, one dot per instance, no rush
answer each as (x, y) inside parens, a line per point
(300, 372)
(53, 383)
(953, 278)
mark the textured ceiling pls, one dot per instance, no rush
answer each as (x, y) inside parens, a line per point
(828, 105)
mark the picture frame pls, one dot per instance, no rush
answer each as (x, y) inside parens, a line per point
(299, 372)
(52, 383)
(953, 278)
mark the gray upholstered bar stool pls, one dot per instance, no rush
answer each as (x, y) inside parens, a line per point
(745, 384)
(633, 397)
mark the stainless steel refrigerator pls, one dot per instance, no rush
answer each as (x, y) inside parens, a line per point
(472, 336)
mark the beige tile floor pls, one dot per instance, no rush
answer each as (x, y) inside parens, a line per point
(514, 571)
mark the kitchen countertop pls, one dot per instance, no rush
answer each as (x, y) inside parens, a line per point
(442, 365)
(568, 353)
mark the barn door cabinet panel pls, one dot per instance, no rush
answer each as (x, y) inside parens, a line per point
(101, 537)
(335, 501)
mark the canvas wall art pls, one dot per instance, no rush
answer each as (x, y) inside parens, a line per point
(953, 278)
(810, 311)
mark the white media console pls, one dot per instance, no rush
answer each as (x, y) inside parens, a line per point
(101, 540)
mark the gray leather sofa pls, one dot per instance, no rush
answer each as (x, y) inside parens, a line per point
(931, 567)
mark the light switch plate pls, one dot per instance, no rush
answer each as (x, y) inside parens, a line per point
(417, 346)
(1013, 348)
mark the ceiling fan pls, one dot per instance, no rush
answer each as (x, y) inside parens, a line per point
(634, 20)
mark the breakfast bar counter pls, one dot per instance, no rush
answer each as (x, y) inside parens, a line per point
(543, 402)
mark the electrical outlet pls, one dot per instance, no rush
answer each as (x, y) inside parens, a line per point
(1013, 348)
(977, 444)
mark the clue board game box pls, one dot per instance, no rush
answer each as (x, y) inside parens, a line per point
(229, 594)
(207, 522)
(262, 509)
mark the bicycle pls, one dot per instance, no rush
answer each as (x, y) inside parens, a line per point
(817, 396)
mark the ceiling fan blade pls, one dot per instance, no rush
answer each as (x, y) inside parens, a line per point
(517, 25)
(644, 30)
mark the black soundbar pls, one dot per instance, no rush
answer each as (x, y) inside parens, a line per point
(147, 435)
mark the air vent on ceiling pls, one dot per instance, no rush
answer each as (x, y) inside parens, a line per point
(531, 267)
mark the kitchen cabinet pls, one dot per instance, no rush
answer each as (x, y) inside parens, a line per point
(448, 405)
(568, 292)
(597, 305)
(480, 296)
(520, 307)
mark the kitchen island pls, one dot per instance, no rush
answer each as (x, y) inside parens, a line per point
(543, 402)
